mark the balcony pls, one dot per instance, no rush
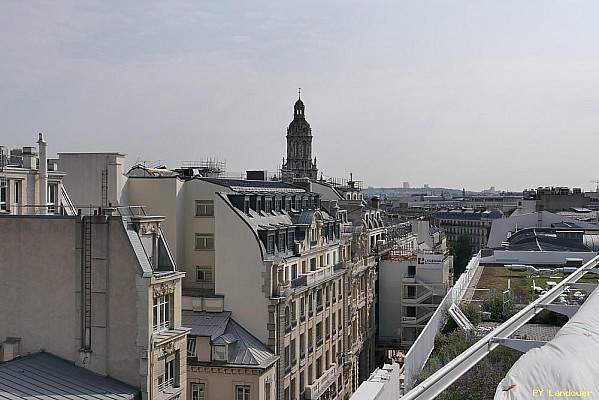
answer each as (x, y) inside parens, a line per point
(316, 389)
(361, 302)
(313, 277)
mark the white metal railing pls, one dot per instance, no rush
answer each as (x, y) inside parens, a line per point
(424, 344)
(67, 203)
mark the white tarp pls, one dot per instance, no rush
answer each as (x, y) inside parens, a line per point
(567, 367)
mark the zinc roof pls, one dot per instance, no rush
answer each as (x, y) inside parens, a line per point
(244, 350)
(44, 376)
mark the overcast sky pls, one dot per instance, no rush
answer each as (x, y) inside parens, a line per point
(450, 93)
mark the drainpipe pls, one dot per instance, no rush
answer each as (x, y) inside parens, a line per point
(43, 171)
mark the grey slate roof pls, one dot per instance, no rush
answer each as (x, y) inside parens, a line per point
(203, 323)
(244, 350)
(44, 376)
(242, 185)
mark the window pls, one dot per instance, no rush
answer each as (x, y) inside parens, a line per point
(242, 392)
(17, 192)
(411, 312)
(282, 241)
(268, 205)
(204, 241)
(294, 271)
(203, 274)
(191, 346)
(319, 300)
(270, 244)
(52, 197)
(287, 319)
(411, 270)
(334, 293)
(290, 240)
(204, 208)
(318, 367)
(278, 205)
(198, 391)
(287, 359)
(293, 312)
(166, 372)
(3, 193)
(162, 313)
(318, 334)
(411, 292)
(219, 352)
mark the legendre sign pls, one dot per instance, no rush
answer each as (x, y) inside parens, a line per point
(430, 260)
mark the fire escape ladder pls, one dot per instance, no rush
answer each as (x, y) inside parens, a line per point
(87, 283)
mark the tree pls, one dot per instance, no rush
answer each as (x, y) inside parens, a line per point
(461, 250)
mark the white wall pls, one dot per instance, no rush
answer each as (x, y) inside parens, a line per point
(83, 179)
(241, 274)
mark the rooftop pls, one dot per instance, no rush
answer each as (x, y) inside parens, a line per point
(244, 350)
(43, 376)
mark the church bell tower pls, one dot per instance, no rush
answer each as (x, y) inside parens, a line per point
(299, 162)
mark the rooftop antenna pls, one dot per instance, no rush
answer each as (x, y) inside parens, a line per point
(299, 93)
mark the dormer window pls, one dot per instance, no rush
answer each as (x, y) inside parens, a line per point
(246, 206)
(270, 244)
(219, 352)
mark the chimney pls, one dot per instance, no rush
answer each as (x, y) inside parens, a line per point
(43, 168)
(29, 155)
(374, 201)
(9, 349)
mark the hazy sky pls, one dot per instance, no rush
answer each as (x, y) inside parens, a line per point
(450, 93)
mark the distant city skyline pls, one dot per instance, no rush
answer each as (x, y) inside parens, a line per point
(458, 94)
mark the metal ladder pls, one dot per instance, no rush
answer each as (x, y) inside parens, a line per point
(87, 283)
